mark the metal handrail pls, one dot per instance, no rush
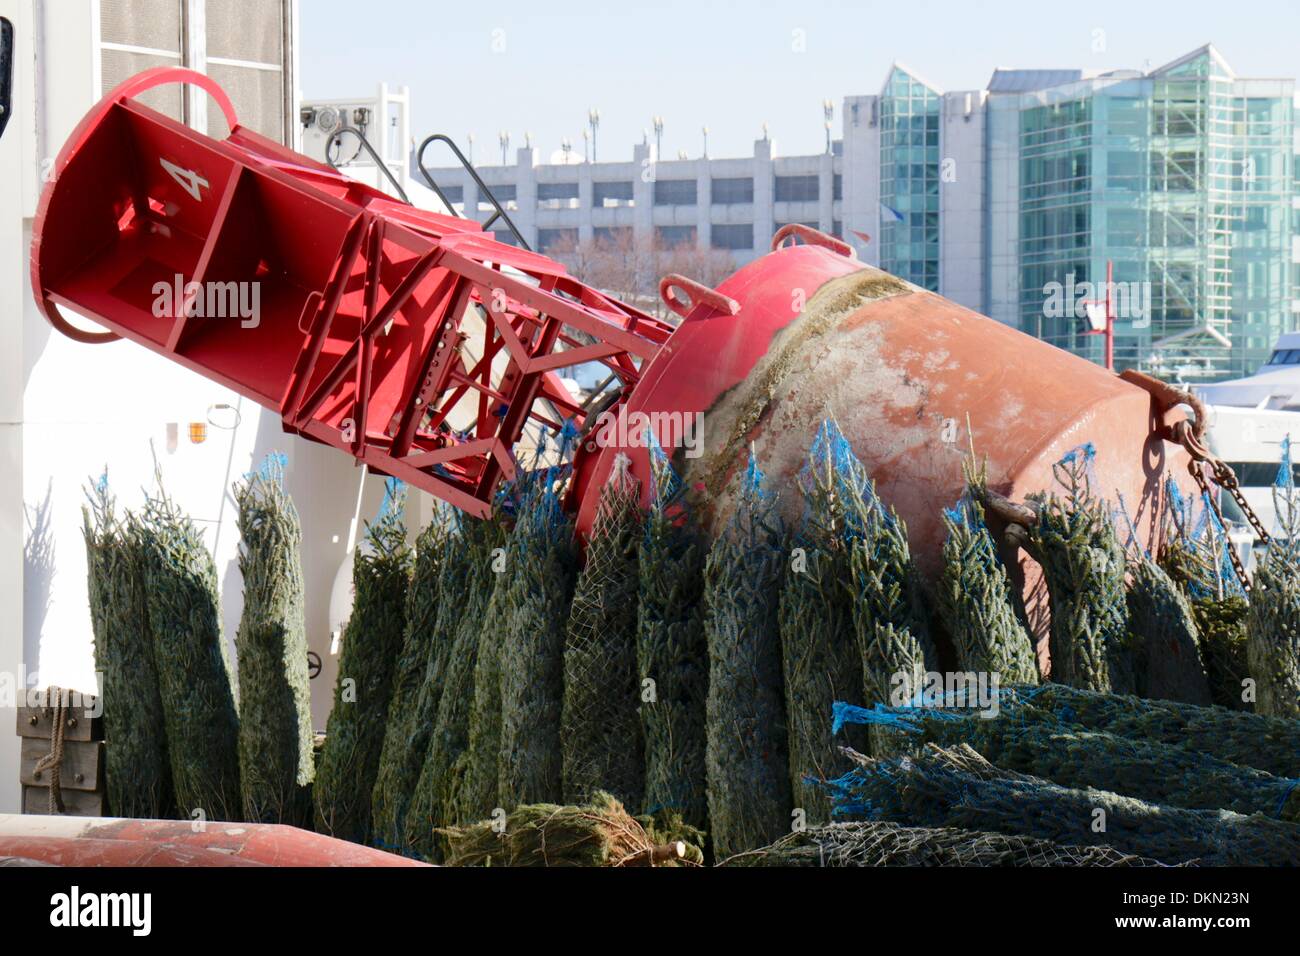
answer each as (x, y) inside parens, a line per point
(482, 187)
(334, 138)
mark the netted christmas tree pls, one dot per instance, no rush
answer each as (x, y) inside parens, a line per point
(1246, 739)
(1273, 622)
(956, 787)
(600, 729)
(417, 684)
(975, 596)
(821, 659)
(276, 767)
(1083, 564)
(192, 662)
(1036, 741)
(1195, 556)
(1166, 637)
(890, 621)
(671, 648)
(465, 587)
(137, 773)
(372, 642)
(543, 566)
(747, 762)
(881, 843)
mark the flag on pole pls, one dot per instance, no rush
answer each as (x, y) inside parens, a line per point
(890, 214)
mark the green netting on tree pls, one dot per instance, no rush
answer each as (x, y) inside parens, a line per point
(820, 656)
(417, 684)
(1083, 564)
(956, 787)
(600, 729)
(465, 589)
(975, 601)
(888, 844)
(372, 641)
(1221, 624)
(598, 833)
(1035, 741)
(476, 774)
(1249, 740)
(1273, 622)
(747, 763)
(276, 767)
(671, 649)
(542, 566)
(193, 664)
(137, 773)
(1166, 639)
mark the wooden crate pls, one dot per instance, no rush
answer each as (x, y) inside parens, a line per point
(81, 778)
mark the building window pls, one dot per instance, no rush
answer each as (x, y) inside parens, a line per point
(611, 194)
(505, 195)
(731, 192)
(732, 235)
(671, 237)
(557, 195)
(454, 194)
(505, 236)
(781, 225)
(674, 192)
(797, 188)
(550, 240)
(612, 236)
(837, 186)
(837, 228)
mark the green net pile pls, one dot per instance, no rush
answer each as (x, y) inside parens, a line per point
(747, 764)
(1034, 741)
(543, 560)
(372, 642)
(956, 787)
(275, 731)
(881, 843)
(671, 649)
(820, 656)
(417, 682)
(1273, 621)
(192, 662)
(600, 728)
(465, 587)
(137, 773)
(1083, 564)
(598, 833)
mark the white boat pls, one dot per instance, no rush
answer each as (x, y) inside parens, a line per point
(1249, 418)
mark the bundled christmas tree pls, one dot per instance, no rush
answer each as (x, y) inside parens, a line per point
(544, 563)
(192, 662)
(1083, 564)
(276, 767)
(372, 642)
(821, 659)
(600, 729)
(1164, 627)
(956, 787)
(1273, 622)
(975, 598)
(417, 684)
(137, 773)
(1249, 740)
(671, 649)
(1035, 741)
(465, 585)
(747, 765)
(881, 843)
(599, 833)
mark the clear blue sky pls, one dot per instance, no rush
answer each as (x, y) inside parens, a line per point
(538, 66)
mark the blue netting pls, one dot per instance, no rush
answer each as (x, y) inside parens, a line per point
(271, 469)
(665, 484)
(1121, 519)
(101, 483)
(832, 463)
(1284, 499)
